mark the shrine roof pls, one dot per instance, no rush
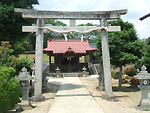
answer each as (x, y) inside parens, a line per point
(57, 46)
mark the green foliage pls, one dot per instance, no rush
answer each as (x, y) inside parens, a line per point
(146, 58)
(54, 23)
(91, 35)
(9, 89)
(5, 55)
(24, 63)
(130, 70)
(125, 47)
(21, 46)
(51, 34)
(5, 52)
(88, 24)
(14, 61)
(11, 22)
(9, 60)
(115, 73)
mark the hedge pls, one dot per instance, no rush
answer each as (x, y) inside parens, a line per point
(9, 89)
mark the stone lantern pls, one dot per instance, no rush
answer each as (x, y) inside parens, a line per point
(144, 78)
(24, 78)
(84, 71)
(57, 72)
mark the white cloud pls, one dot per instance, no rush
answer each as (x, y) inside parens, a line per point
(136, 9)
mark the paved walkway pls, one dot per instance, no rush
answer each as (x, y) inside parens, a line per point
(73, 97)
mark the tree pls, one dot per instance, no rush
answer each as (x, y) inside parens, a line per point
(11, 22)
(52, 34)
(91, 35)
(125, 47)
(146, 57)
(5, 52)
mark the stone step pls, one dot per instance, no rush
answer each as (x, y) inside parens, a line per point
(70, 74)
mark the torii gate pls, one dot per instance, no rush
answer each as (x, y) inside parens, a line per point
(40, 28)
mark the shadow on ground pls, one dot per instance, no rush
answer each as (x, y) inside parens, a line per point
(73, 95)
(126, 89)
(70, 86)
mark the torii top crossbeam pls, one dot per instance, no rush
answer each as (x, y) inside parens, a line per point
(77, 15)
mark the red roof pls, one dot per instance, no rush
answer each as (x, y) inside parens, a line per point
(62, 46)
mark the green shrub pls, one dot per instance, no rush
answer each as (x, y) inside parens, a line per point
(115, 73)
(130, 70)
(9, 89)
(24, 63)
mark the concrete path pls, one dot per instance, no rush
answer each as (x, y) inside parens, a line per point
(73, 97)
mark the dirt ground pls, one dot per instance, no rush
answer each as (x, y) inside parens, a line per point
(42, 106)
(129, 97)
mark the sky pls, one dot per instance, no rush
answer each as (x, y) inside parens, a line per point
(136, 9)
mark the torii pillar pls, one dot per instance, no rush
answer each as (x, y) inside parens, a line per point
(38, 61)
(106, 62)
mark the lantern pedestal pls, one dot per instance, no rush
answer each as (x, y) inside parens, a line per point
(144, 104)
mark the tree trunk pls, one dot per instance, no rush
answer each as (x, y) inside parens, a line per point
(120, 78)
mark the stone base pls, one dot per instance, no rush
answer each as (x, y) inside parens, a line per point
(84, 75)
(110, 97)
(38, 98)
(21, 108)
(143, 107)
(100, 88)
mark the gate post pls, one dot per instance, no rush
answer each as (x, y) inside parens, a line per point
(106, 62)
(38, 61)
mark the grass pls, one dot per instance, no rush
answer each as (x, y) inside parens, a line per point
(31, 56)
(45, 57)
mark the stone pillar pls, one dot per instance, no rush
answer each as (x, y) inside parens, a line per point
(106, 62)
(101, 85)
(72, 22)
(38, 61)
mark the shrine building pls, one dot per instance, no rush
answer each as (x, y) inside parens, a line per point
(69, 55)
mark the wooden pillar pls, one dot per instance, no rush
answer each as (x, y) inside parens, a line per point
(38, 61)
(49, 63)
(106, 62)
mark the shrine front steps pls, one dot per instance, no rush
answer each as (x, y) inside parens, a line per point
(70, 74)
